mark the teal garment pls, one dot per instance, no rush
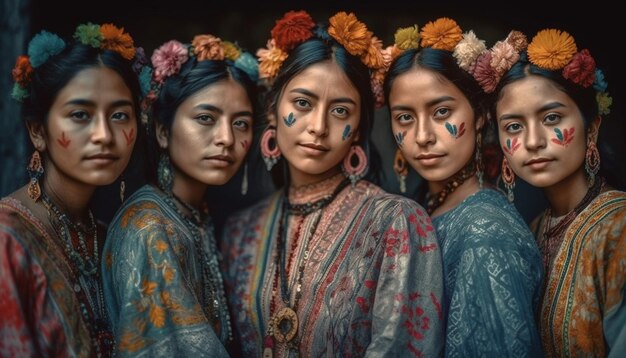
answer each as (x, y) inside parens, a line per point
(153, 283)
(492, 277)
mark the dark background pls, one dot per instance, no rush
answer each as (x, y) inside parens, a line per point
(596, 26)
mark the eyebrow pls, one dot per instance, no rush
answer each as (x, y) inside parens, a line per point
(428, 104)
(546, 107)
(311, 94)
(212, 108)
(88, 103)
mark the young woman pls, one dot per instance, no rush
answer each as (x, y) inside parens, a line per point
(492, 267)
(548, 107)
(81, 102)
(331, 265)
(162, 283)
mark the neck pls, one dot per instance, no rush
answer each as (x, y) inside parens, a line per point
(70, 195)
(298, 178)
(188, 189)
(565, 195)
(465, 189)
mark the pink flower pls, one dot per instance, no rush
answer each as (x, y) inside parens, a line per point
(168, 59)
(485, 74)
(581, 69)
(503, 56)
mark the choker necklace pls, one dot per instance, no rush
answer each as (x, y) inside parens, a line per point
(283, 326)
(213, 296)
(553, 236)
(86, 273)
(435, 201)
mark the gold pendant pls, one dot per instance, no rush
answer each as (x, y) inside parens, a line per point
(285, 325)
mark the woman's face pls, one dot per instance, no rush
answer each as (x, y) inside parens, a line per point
(541, 131)
(433, 123)
(210, 134)
(91, 128)
(317, 121)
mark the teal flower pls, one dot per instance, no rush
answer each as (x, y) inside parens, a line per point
(248, 63)
(19, 92)
(600, 84)
(43, 46)
(89, 34)
(145, 78)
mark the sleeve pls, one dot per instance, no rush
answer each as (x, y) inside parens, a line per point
(152, 308)
(492, 299)
(614, 320)
(408, 318)
(30, 324)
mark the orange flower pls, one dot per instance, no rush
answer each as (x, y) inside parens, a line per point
(207, 47)
(373, 57)
(442, 34)
(270, 60)
(115, 39)
(22, 71)
(551, 49)
(350, 33)
(293, 29)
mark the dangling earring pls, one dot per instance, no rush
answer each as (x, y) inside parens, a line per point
(478, 159)
(270, 155)
(35, 171)
(357, 171)
(165, 174)
(122, 189)
(401, 168)
(592, 162)
(508, 177)
(244, 181)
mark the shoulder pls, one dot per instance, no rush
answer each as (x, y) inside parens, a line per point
(143, 208)
(605, 214)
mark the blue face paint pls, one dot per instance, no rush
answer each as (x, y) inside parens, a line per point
(289, 120)
(453, 130)
(399, 138)
(347, 133)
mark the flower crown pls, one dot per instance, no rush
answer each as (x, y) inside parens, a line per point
(553, 50)
(296, 27)
(45, 45)
(168, 60)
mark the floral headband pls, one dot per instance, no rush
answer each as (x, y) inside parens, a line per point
(45, 45)
(550, 49)
(168, 59)
(296, 27)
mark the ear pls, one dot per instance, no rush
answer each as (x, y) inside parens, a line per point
(594, 129)
(161, 135)
(271, 118)
(37, 134)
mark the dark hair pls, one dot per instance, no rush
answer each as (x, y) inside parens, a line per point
(194, 75)
(443, 63)
(52, 76)
(318, 50)
(584, 97)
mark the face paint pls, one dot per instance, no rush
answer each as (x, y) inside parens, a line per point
(400, 137)
(453, 130)
(130, 136)
(245, 144)
(564, 137)
(347, 133)
(511, 146)
(290, 119)
(64, 142)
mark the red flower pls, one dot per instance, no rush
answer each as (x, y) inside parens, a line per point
(581, 69)
(485, 74)
(293, 29)
(22, 71)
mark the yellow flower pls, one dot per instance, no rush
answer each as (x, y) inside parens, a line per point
(350, 33)
(407, 38)
(231, 51)
(442, 34)
(551, 49)
(604, 103)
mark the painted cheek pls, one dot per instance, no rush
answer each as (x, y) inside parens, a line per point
(511, 146)
(289, 120)
(400, 137)
(129, 136)
(455, 132)
(347, 132)
(245, 144)
(563, 137)
(64, 141)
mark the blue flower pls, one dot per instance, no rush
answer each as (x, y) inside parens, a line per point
(600, 84)
(248, 63)
(19, 93)
(145, 78)
(43, 46)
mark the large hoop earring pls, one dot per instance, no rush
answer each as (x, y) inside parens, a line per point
(508, 177)
(355, 170)
(269, 148)
(35, 172)
(165, 174)
(401, 168)
(592, 162)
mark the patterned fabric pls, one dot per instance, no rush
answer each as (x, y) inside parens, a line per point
(583, 311)
(493, 279)
(39, 311)
(153, 283)
(372, 284)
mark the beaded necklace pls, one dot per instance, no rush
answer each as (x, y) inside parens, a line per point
(213, 295)
(435, 201)
(283, 326)
(85, 273)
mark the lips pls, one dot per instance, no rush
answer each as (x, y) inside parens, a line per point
(315, 146)
(102, 156)
(537, 161)
(220, 157)
(428, 156)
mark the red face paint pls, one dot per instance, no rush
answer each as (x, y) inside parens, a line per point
(130, 137)
(64, 142)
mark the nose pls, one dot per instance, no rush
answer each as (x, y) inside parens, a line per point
(101, 130)
(424, 134)
(535, 136)
(317, 123)
(224, 133)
